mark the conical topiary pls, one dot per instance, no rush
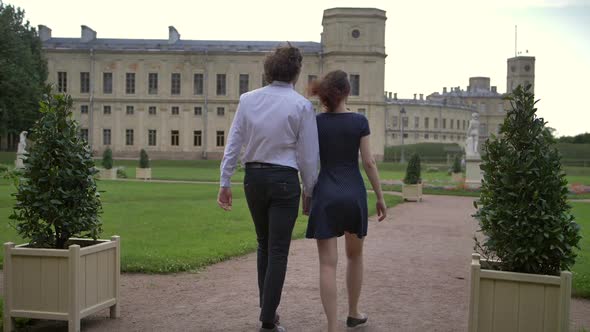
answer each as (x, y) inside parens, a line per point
(144, 159)
(523, 210)
(457, 165)
(107, 159)
(56, 196)
(413, 171)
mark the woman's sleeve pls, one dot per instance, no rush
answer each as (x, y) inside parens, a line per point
(365, 130)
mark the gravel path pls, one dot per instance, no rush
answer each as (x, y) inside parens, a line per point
(416, 279)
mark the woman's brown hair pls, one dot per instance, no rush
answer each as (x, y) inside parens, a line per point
(284, 64)
(331, 89)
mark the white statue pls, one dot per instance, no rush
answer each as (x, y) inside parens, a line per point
(472, 141)
(22, 143)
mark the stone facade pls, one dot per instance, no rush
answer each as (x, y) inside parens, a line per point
(176, 98)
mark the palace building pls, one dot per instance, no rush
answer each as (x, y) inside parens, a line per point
(176, 98)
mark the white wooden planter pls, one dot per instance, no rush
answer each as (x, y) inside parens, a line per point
(61, 284)
(143, 173)
(457, 177)
(412, 192)
(108, 174)
(518, 302)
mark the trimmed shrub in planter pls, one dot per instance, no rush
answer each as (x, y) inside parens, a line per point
(57, 201)
(412, 187)
(144, 171)
(108, 172)
(456, 171)
(530, 233)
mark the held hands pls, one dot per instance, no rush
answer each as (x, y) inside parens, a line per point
(381, 209)
(306, 204)
(224, 198)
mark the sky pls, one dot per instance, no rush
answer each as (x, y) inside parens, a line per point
(430, 43)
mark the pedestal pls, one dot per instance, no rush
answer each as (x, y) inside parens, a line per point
(473, 174)
(19, 162)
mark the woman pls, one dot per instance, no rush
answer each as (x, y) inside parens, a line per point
(339, 201)
(277, 127)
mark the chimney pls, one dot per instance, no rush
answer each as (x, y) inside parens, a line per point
(458, 89)
(494, 89)
(87, 34)
(390, 95)
(44, 33)
(173, 35)
(395, 96)
(445, 89)
(421, 96)
(414, 96)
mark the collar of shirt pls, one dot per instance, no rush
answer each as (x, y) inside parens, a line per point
(282, 84)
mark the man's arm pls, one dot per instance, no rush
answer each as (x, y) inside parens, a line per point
(308, 149)
(233, 148)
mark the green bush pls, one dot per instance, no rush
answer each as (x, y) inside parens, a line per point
(413, 171)
(144, 159)
(457, 165)
(107, 159)
(523, 210)
(121, 173)
(3, 169)
(56, 195)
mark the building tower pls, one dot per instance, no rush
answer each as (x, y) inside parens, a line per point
(521, 71)
(353, 40)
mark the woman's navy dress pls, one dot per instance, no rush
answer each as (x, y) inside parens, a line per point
(339, 200)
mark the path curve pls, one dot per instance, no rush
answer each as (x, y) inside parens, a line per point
(416, 279)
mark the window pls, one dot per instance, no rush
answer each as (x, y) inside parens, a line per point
(106, 137)
(426, 123)
(220, 111)
(436, 136)
(416, 122)
(426, 136)
(106, 110)
(500, 108)
(84, 134)
(416, 136)
(129, 137)
(174, 137)
(175, 86)
(220, 138)
(405, 135)
(130, 83)
(107, 83)
(435, 123)
(84, 109)
(393, 135)
(153, 83)
(62, 81)
(197, 138)
(198, 84)
(220, 84)
(362, 111)
(405, 122)
(152, 137)
(444, 124)
(264, 82)
(444, 137)
(452, 123)
(84, 82)
(244, 82)
(152, 110)
(458, 127)
(129, 110)
(394, 121)
(198, 110)
(452, 137)
(355, 81)
(175, 110)
(464, 124)
(482, 107)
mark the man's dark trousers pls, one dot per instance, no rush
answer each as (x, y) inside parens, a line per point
(273, 199)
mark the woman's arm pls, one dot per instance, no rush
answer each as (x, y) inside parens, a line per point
(370, 167)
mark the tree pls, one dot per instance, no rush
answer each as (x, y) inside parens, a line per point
(107, 158)
(457, 164)
(23, 71)
(56, 196)
(144, 159)
(523, 210)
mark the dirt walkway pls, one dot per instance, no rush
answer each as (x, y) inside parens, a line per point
(416, 279)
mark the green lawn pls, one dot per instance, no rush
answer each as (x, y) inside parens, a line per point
(166, 227)
(581, 271)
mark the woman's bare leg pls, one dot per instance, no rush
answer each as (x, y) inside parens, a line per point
(328, 253)
(354, 272)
